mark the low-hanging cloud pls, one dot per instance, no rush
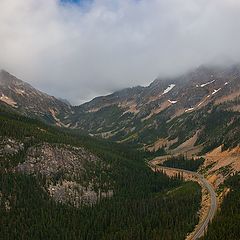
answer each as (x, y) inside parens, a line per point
(78, 52)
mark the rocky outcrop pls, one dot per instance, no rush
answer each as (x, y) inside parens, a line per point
(10, 146)
(68, 172)
(50, 160)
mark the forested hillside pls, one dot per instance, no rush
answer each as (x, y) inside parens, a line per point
(226, 223)
(142, 204)
(183, 162)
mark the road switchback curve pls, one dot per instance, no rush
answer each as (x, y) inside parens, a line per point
(200, 229)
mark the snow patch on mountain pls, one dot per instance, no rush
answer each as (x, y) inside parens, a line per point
(205, 84)
(171, 101)
(189, 109)
(215, 91)
(169, 88)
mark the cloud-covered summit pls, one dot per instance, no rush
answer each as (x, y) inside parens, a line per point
(80, 51)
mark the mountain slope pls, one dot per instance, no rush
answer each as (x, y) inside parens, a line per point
(165, 110)
(29, 101)
(172, 113)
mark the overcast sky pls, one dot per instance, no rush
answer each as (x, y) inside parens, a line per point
(80, 51)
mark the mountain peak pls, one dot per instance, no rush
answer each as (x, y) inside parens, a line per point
(7, 79)
(30, 101)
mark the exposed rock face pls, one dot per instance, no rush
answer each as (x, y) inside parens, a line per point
(67, 170)
(50, 160)
(9, 146)
(69, 174)
(72, 193)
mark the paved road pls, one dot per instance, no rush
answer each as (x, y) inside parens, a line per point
(199, 231)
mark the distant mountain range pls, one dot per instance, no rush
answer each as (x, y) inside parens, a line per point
(194, 112)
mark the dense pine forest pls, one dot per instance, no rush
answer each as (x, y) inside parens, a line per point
(142, 215)
(183, 162)
(227, 221)
(145, 205)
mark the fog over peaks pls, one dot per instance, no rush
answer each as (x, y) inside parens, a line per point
(81, 51)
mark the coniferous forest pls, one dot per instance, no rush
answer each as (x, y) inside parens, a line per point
(183, 162)
(144, 204)
(227, 221)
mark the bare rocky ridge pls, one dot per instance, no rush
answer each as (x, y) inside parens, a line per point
(68, 171)
(9, 146)
(163, 111)
(49, 160)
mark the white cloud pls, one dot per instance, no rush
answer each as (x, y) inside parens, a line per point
(78, 53)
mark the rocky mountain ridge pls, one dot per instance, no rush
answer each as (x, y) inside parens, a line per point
(165, 110)
(165, 114)
(22, 97)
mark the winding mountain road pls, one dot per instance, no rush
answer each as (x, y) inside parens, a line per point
(201, 228)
